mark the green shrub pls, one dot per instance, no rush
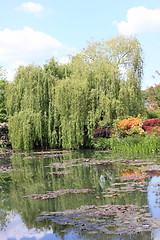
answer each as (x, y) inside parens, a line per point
(136, 144)
(102, 143)
(153, 114)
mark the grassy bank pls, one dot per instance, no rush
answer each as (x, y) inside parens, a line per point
(136, 143)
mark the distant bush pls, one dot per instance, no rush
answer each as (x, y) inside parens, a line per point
(151, 122)
(129, 135)
(102, 143)
(152, 126)
(153, 114)
(102, 132)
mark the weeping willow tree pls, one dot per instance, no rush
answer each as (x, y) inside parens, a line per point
(61, 105)
(30, 105)
(3, 85)
(120, 62)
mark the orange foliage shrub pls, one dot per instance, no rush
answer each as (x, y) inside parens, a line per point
(130, 122)
(128, 126)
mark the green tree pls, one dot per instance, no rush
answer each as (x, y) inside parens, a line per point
(114, 70)
(30, 105)
(60, 105)
(3, 85)
(152, 94)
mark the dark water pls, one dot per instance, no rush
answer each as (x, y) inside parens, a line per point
(117, 180)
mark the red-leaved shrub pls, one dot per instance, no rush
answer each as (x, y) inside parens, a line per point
(152, 125)
(102, 132)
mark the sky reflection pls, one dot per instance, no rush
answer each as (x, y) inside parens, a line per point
(154, 202)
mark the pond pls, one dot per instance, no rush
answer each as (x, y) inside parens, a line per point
(79, 195)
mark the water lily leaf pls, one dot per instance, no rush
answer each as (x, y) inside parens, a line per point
(58, 193)
(110, 219)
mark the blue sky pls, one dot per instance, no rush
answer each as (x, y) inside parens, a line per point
(35, 31)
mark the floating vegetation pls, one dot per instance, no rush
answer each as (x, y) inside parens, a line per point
(125, 183)
(52, 155)
(139, 162)
(48, 154)
(60, 172)
(58, 193)
(151, 168)
(125, 187)
(94, 161)
(7, 168)
(51, 151)
(80, 162)
(43, 154)
(110, 219)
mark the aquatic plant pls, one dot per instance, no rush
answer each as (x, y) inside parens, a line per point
(110, 219)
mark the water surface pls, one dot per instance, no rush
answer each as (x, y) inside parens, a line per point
(130, 184)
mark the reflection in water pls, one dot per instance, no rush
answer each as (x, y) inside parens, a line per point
(17, 230)
(102, 182)
(154, 202)
(30, 176)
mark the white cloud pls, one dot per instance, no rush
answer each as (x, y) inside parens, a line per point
(30, 7)
(150, 82)
(140, 20)
(65, 60)
(27, 46)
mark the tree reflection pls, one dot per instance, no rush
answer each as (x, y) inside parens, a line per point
(31, 177)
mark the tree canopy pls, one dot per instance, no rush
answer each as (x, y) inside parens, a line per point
(3, 85)
(60, 105)
(152, 94)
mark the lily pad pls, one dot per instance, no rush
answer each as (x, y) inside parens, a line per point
(58, 193)
(111, 219)
(60, 172)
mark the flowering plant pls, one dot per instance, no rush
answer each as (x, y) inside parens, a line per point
(128, 126)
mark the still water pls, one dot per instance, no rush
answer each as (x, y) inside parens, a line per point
(118, 196)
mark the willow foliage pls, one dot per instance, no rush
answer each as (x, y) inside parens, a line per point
(61, 105)
(3, 85)
(29, 104)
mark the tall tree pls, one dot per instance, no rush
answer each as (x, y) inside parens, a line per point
(3, 86)
(115, 69)
(61, 105)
